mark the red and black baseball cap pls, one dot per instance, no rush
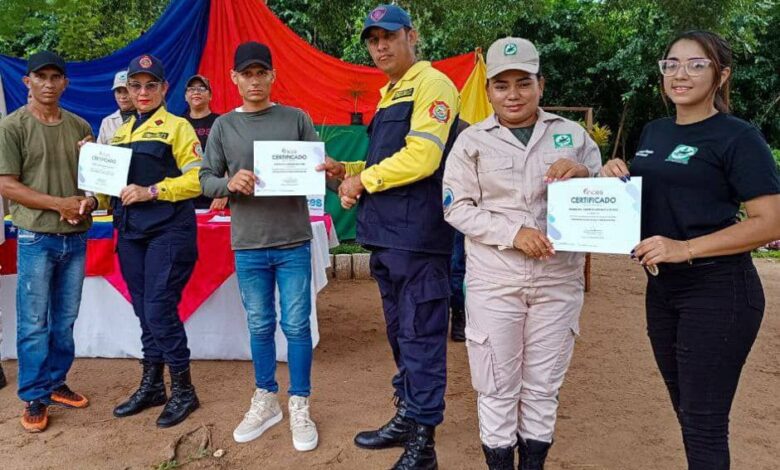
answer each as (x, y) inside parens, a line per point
(44, 59)
(146, 63)
(251, 53)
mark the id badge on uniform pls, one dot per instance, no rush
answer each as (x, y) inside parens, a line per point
(288, 168)
(103, 169)
(594, 215)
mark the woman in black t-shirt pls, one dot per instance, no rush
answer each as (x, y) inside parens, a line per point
(704, 299)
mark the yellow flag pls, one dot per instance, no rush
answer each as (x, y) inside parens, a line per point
(474, 104)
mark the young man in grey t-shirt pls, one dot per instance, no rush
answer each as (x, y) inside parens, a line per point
(270, 237)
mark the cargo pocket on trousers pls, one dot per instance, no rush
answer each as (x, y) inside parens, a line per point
(431, 315)
(483, 378)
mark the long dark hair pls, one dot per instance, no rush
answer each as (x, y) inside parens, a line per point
(718, 50)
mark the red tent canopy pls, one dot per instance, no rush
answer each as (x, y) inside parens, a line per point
(307, 78)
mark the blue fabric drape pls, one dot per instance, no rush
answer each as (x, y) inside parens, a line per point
(177, 38)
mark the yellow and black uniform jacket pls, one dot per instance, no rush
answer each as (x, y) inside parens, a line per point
(166, 153)
(409, 138)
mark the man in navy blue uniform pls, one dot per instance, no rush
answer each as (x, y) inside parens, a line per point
(400, 219)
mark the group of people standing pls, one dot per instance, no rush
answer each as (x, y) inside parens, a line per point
(424, 174)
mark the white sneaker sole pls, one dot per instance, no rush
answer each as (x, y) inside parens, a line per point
(306, 446)
(251, 436)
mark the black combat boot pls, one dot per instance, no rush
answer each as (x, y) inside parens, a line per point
(532, 454)
(458, 324)
(500, 458)
(419, 452)
(150, 393)
(183, 400)
(3, 382)
(393, 434)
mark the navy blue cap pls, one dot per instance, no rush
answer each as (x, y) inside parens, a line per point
(146, 63)
(389, 17)
(44, 59)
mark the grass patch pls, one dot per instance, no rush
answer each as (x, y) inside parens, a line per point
(348, 248)
(766, 254)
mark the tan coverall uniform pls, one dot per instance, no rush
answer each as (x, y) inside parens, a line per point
(522, 313)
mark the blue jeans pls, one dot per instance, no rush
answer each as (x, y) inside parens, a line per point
(259, 271)
(48, 295)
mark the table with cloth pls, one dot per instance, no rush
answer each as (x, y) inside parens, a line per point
(211, 308)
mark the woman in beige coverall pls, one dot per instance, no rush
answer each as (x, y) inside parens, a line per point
(523, 299)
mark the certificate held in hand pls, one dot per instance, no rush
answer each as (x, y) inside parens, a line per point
(288, 168)
(103, 169)
(598, 215)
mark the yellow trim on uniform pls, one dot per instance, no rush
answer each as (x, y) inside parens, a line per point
(436, 104)
(185, 147)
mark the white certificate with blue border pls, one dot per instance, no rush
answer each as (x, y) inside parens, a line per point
(596, 215)
(288, 168)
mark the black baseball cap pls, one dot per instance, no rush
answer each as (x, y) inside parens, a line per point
(388, 17)
(250, 53)
(146, 63)
(43, 59)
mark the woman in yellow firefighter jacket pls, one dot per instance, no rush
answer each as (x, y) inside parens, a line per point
(157, 246)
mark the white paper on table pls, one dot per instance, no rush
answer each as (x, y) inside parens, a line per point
(103, 169)
(597, 215)
(287, 168)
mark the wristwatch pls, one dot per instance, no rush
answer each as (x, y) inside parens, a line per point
(153, 191)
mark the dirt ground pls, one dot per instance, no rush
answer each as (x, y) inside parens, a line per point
(614, 410)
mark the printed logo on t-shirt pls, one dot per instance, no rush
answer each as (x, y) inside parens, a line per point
(644, 153)
(563, 141)
(682, 154)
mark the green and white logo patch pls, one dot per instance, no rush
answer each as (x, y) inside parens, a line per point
(510, 49)
(563, 141)
(682, 154)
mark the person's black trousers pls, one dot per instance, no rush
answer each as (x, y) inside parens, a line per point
(702, 320)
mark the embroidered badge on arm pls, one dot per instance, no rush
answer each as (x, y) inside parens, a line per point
(439, 111)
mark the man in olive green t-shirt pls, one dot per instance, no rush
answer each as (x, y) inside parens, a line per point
(39, 146)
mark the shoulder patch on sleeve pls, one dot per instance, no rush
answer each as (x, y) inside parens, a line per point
(439, 111)
(197, 150)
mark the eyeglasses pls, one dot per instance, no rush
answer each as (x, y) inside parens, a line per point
(151, 87)
(693, 67)
(197, 89)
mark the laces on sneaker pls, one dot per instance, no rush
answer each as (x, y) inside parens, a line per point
(66, 392)
(258, 406)
(300, 416)
(35, 408)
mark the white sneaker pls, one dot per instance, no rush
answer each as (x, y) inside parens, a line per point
(263, 413)
(304, 431)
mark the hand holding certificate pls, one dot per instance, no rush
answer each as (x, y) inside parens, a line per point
(103, 169)
(289, 168)
(598, 215)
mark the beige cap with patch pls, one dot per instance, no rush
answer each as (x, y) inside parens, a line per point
(512, 54)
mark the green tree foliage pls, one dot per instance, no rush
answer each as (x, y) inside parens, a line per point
(599, 53)
(77, 30)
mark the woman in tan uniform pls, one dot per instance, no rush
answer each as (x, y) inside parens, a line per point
(523, 299)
